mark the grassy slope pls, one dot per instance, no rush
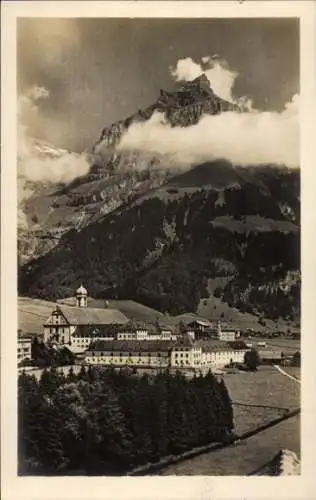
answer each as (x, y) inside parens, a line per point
(32, 313)
(215, 309)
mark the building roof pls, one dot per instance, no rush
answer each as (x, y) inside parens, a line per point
(22, 340)
(217, 345)
(188, 318)
(81, 290)
(93, 331)
(270, 354)
(131, 346)
(200, 322)
(76, 350)
(135, 311)
(90, 316)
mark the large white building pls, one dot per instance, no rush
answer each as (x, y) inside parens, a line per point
(216, 353)
(129, 353)
(180, 354)
(24, 348)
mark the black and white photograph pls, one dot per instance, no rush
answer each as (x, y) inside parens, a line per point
(158, 223)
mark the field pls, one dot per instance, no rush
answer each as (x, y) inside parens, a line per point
(244, 459)
(266, 387)
(32, 313)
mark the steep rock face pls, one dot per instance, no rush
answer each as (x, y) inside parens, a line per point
(113, 178)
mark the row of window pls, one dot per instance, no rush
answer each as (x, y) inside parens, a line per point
(130, 354)
(122, 360)
(225, 353)
(59, 330)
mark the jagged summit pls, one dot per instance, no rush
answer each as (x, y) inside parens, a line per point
(182, 107)
(188, 93)
(201, 83)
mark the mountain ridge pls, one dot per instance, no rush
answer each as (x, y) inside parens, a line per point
(157, 235)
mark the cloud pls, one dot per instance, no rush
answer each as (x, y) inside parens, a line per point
(39, 161)
(221, 77)
(249, 138)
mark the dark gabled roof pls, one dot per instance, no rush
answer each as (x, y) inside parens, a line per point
(201, 322)
(217, 345)
(93, 331)
(131, 346)
(91, 316)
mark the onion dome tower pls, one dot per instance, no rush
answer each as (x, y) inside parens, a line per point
(81, 297)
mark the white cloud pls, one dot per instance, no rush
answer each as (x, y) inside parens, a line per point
(38, 161)
(221, 77)
(250, 138)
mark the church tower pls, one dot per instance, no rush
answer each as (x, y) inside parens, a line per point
(81, 297)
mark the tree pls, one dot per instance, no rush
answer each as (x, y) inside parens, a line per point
(49, 381)
(252, 360)
(71, 377)
(181, 326)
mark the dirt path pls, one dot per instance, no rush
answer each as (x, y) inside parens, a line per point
(287, 374)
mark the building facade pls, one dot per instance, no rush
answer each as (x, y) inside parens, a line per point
(132, 353)
(218, 354)
(78, 326)
(24, 349)
(226, 334)
(180, 354)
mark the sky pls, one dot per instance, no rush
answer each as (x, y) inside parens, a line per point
(93, 72)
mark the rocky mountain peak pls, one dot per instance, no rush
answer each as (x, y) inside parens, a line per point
(199, 83)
